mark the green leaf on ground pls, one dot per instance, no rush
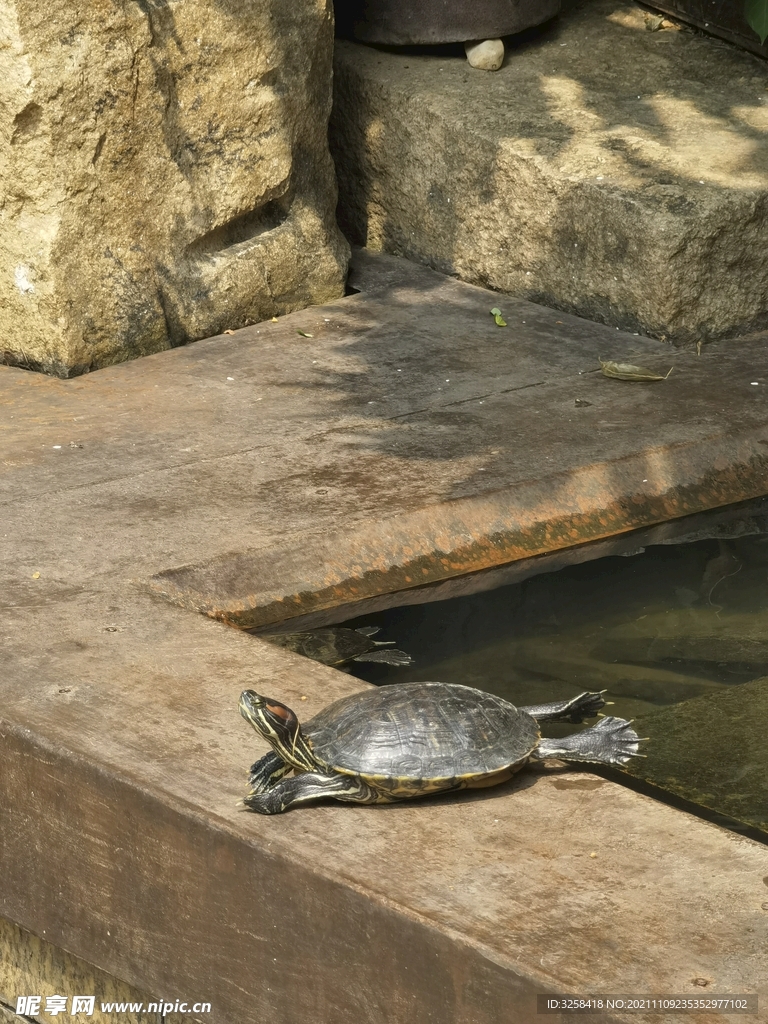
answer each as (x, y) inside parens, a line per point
(757, 17)
(496, 314)
(304, 334)
(627, 371)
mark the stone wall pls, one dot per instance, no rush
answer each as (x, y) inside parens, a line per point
(164, 173)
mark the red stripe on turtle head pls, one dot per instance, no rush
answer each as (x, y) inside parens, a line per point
(284, 714)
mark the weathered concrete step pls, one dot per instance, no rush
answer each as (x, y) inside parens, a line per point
(407, 441)
(606, 170)
(465, 448)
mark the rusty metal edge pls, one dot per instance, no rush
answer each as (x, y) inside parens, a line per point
(253, 589)
(712, 523)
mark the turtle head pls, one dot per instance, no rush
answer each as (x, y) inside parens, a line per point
(279, 726)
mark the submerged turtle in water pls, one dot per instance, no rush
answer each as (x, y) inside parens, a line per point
(337, 645)
(412, 739)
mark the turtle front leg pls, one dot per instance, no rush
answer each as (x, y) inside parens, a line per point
(308, 788)
(611, 741)
(586, 705)
(267, 771)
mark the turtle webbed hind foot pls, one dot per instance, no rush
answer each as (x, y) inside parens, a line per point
(390, 657)
(611, 741)
(586, 705)
(308, 788)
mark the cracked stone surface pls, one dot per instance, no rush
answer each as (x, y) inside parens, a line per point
(608, 171)
(165, 174)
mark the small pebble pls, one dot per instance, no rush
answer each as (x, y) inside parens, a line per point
(487, 55)
(593, 855)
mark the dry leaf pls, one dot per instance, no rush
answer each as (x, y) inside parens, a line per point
(274, 319)
(626, 371)
(229, 332)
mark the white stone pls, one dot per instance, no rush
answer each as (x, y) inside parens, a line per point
(487, 55)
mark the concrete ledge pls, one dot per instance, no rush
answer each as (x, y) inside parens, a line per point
(485, 461)
(605, 170)
(122, 753)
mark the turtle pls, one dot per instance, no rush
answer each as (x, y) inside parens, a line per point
(413, 739)
(337, 645)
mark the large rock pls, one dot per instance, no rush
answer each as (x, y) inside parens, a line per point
(165, 173)
(711, 751)
(610, 171)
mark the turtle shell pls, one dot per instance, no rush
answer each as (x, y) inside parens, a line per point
(417, 733)
(333, 646)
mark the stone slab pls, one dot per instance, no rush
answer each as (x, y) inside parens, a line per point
(122, 753)
(164, 174)
(604, 170)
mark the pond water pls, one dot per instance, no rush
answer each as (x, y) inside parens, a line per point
(672, 633)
